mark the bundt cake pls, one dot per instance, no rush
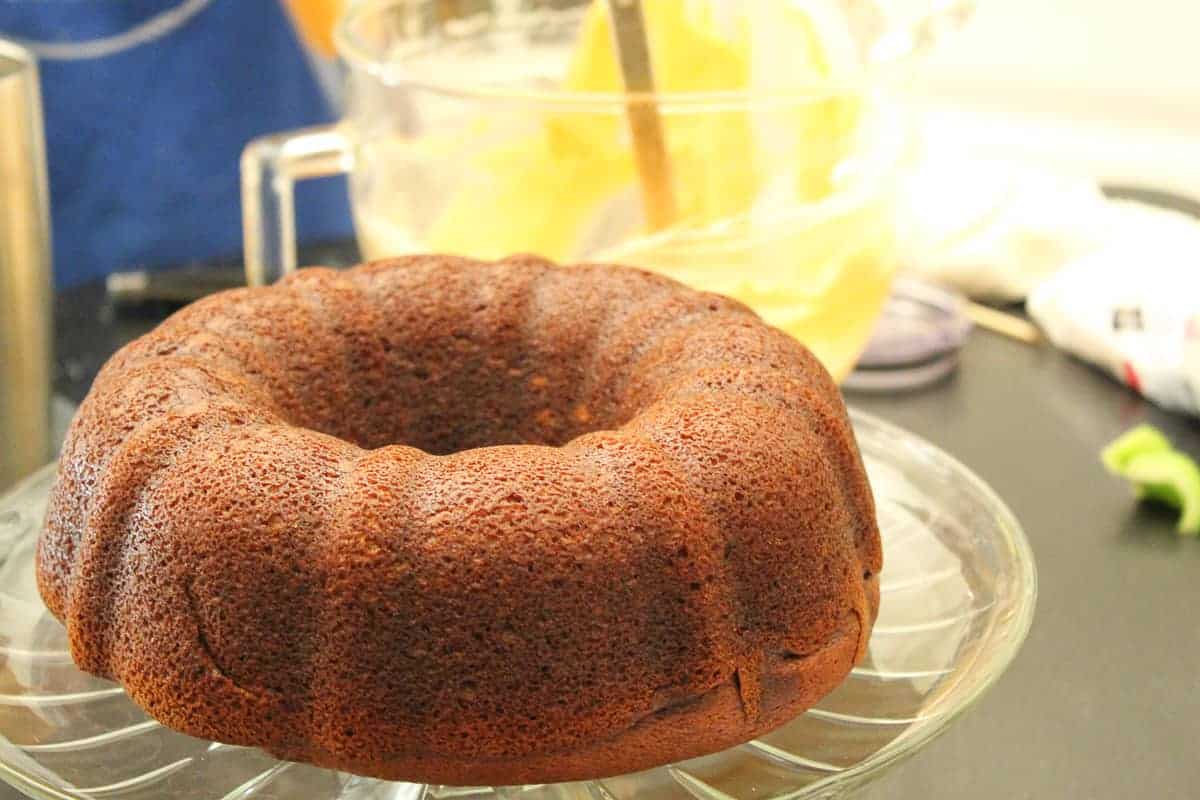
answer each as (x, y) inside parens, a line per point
(456, 522)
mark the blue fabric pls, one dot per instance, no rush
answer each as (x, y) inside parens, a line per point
(143, 145)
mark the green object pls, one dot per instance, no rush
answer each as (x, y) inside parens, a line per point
(1159, 473)
(1134, 442)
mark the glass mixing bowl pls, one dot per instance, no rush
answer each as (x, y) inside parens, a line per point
(958, 589)
(489, 128)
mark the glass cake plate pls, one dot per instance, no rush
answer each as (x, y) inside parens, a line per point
(958, 590)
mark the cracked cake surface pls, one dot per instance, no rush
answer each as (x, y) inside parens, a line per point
(456, 522)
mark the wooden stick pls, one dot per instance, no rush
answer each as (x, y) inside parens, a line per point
(645, 123)
(1003, 323)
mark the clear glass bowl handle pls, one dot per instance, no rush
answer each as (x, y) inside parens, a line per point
(270, 167)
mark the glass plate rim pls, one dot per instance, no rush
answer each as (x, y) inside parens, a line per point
(1016, 628)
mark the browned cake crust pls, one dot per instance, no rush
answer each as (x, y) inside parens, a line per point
(465, 523)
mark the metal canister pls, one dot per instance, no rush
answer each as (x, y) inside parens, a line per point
(25, 294)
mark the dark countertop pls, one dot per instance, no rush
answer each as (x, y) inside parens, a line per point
(1104, 699)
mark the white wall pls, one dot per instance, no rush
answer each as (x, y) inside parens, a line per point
(1111, 87)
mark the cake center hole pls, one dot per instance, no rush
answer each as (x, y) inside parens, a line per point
(464, 399)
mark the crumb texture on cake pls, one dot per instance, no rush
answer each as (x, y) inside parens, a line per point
(457, 522)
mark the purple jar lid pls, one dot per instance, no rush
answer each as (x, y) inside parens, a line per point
(916, 340)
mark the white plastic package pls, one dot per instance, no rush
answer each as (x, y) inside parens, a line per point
(1133, 306)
